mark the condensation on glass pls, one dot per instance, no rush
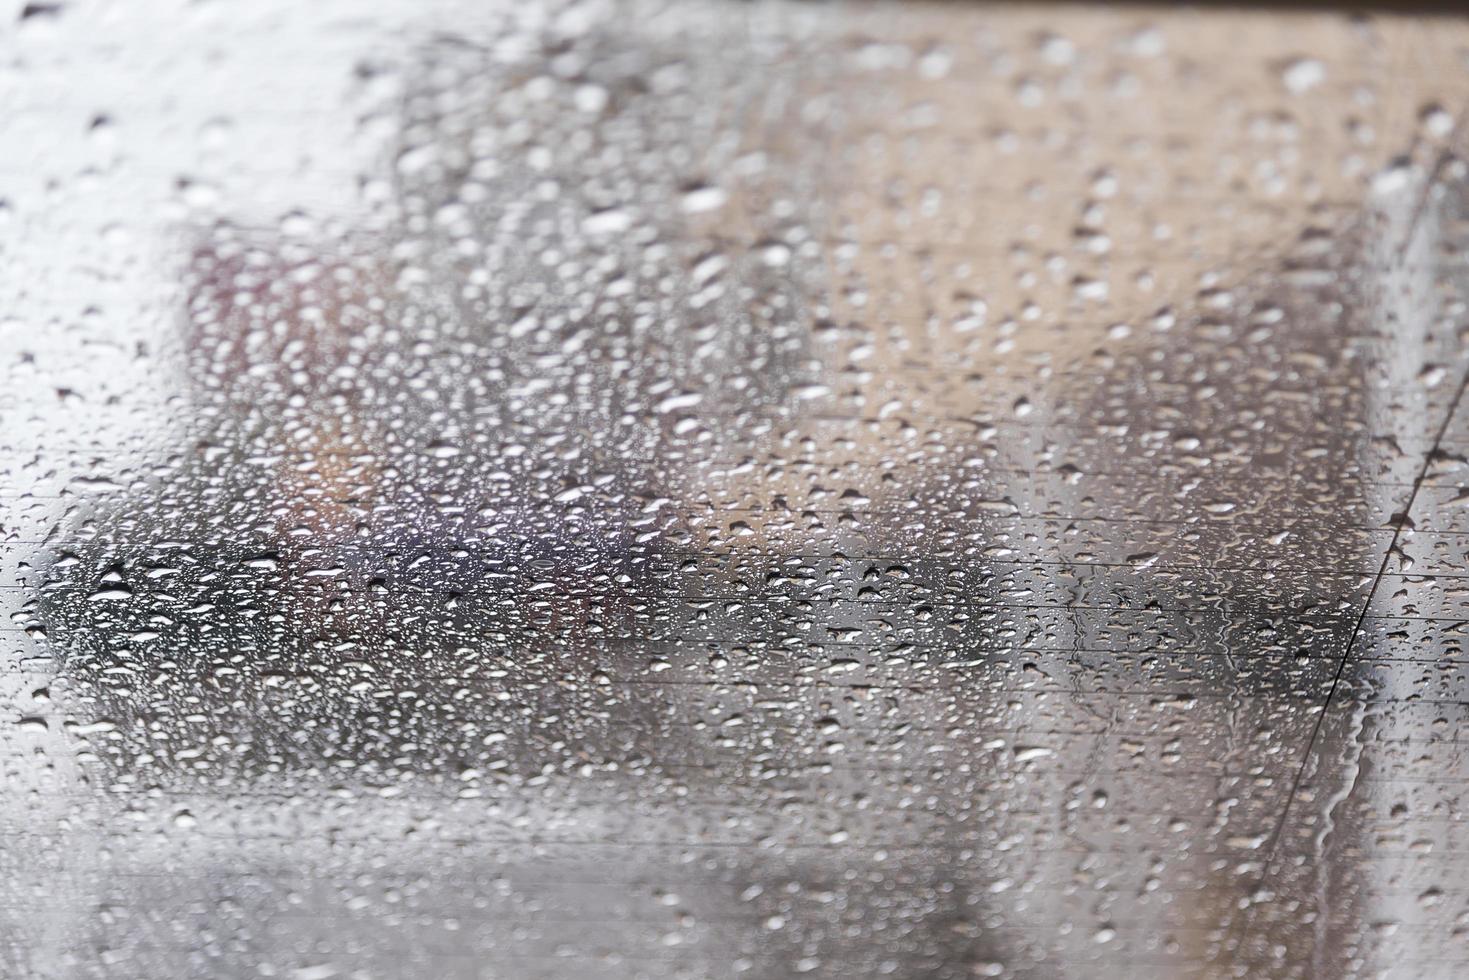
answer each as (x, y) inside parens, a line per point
(630, 490)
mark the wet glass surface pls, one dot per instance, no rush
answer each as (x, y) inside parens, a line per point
(701, 490)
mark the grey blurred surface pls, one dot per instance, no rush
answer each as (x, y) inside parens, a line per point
(631, 490)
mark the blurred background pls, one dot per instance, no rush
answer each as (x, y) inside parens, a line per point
(643, 490)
